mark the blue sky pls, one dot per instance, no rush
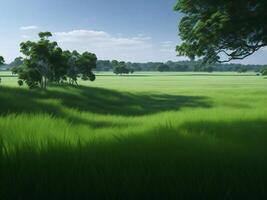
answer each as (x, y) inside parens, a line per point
(139, 30)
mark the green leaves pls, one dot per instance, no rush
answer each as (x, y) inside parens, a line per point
(45, 35)
(222, 30)
(120, 68)
(264, 71)
(46, 62)
(2, 60)
(163, 68)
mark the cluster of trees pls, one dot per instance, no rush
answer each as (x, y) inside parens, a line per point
(180, 66)
(118, 67)
(170, 66)
(46, 62)
(163, 68)
(121, 67)
(104, 65)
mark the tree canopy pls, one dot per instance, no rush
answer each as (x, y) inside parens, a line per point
(46, 62)
(121, 67)
(264, 71)
(16, 62)
(221, 30)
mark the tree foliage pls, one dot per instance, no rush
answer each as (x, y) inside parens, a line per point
(104, 65)
(2, 60)
(163, 68)
(264, 71)
(209, 69)
(222, 30)
(182, 66)
(16, 63)
(121, 68)
(242, 69)
(46, 62)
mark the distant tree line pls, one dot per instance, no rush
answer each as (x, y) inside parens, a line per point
(170, 66)
(121, 67)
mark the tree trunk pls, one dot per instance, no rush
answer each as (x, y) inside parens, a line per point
(42, 82)
(45, 82)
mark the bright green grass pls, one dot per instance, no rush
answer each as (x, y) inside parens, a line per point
(149, 135)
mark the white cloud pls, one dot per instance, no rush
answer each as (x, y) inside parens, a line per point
(137, 48)
(26, 28)
(101, 39)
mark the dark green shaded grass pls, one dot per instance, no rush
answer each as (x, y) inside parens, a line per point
(151, 166)
(93, 100)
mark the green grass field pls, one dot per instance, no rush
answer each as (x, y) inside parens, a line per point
(143, 136)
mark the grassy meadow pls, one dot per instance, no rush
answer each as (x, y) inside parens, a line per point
(142, 136)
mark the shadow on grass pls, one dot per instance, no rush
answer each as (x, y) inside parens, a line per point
(160, 164)
(8, 76)
(94, 100)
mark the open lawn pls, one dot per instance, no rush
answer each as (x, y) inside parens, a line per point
(142, 136)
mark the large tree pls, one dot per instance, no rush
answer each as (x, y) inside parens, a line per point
(46, 62)
(40, 60)
(120, 67)
(222, 30)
